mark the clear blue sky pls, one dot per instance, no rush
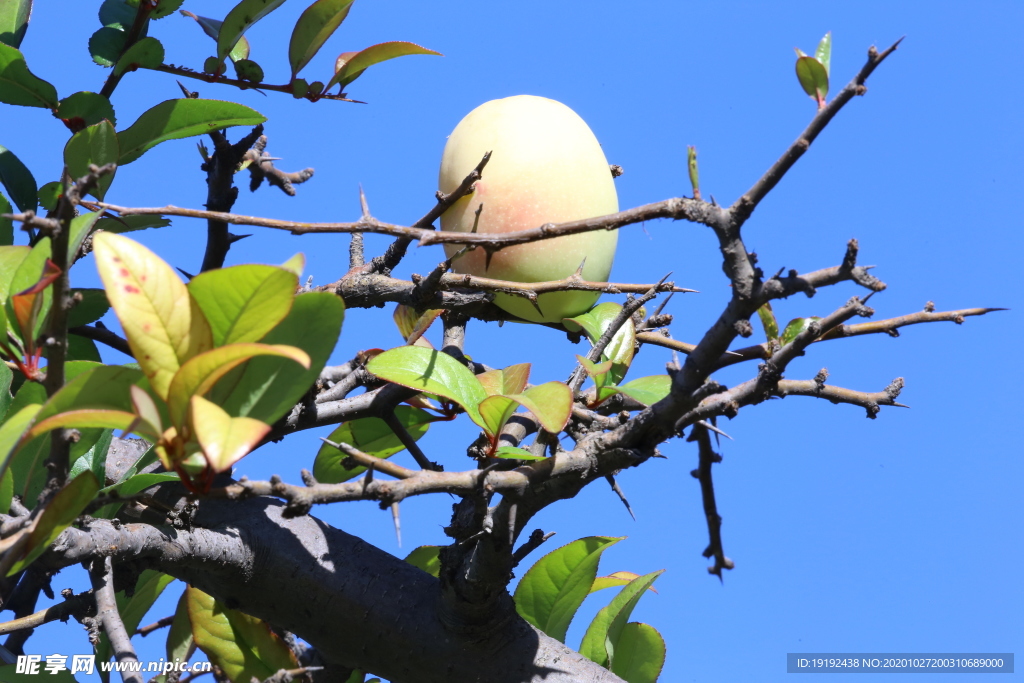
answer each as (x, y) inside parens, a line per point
(900, 534)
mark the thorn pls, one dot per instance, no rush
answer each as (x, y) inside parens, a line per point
(188, 275)
(232, 238)
(398, 523)
(188, 93)
(579, 271)
(620, 494)
(713, 428)
(662, 305)
(363, 205)
(487, 262)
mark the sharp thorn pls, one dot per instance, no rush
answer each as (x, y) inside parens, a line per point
(398, 523)
(621, 495)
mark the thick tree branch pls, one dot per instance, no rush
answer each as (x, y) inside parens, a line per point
(102, 575)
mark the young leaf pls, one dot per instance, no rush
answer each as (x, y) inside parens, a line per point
(603, 633)
(615, 579)
(243, 303)
(647, 390)
(824, 52)
(550, 403)
(224, 439)
(494, 412)
(14, 16)
(242, 646)
(58, 515)
(426, 557)
(510, 380)
(768, 322)
(239, 19)
(163, 324)
(182, 118)
(148, 53)
(513, 453)
(198, 374)
(95, 459)
(312, 30)
(95, 144)
(92, 418)
(813, 78)
(211, 27)
(27, 305)
(350, 65)
(432, 372)
(15, 176)
(554, 588)
(267, 387)
(795, 327)
(19, 86)
(370, 435)
(639, 654)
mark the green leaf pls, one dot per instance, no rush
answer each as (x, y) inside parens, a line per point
(267, 388)
(118, 14)
(603, 633)
(95, 459)
(350, 65)
(80, 348)
(148, 588)
(49, 194)
(370, 435)
(15, 176)
(163, 324)
(795, 327)
(14, 16)
(6, 224)
(148, 53)
(92, 307)
(243, 303)
(554, 588)
(58, 515)
(433, 372)
(6, 377)
(107, 44)
(6, 492)
(131, 223)
(615, 579)
(198, 374)
(19, 86)
(513, 453)
(12, 430)
(248, 70)
(165, 8)
(242, 646)
(427, 558)
(239, 19)
(211, 27)
(181, 118)
(768, 321)
(136, 483)
(95, 144)
(594, 322)
(813, 78)
(647, 390)
(179, 637)
(84, 109)
(639, 654)
(99, 387)
(312, 30)
(824, 52)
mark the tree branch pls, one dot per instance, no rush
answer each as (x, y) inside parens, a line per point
(102, 575)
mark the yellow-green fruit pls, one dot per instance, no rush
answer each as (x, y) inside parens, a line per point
(546, 167)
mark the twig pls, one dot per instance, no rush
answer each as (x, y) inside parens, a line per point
(532, 543)
(367, 460)
(221, 192)
(79, 605)
(261, 167)
(410, 444)
(163, 622)
(246, 85)
(131, 37)
(102, 334)
(102, 574)
(706, 458)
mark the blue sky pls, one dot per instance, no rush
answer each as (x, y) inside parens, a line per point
(899, 534)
